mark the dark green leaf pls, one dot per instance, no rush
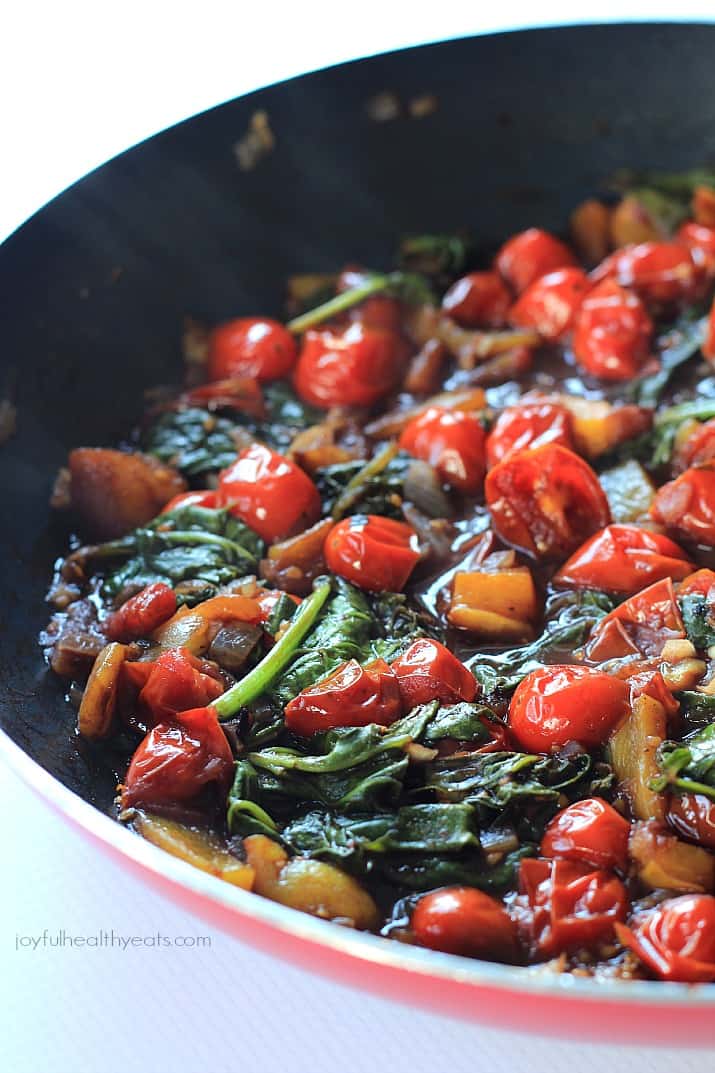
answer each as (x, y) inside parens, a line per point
(438, 257)
(682, 343)
(194, 441)
(698, 620)
(380, 493)
(689, 765)
(696, 709)
(245, 816)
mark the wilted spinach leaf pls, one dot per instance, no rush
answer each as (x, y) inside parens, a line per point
(194, 441)
(380, 494)
(698, 620)
(438, 257)
(688, 765)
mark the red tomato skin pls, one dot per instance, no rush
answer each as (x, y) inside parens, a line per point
(267, 600)
(590, 831)
(530, 425)
(351, 696)
(545, 501)
(355, 366)
(662, 274)
(562, 703)
(701, 238)
(205, 498)
(463, 920)
(686, 506)
(175, 760)
(374, 553)
(676, 939)
(623, 558)
(701, 582)
(651, 683)
(453, 442)
(550, 303)
(429, 671)
(639, 626)
(141, 614)
(176, 682)
(527, 256)
(256, 347)
(697, 450)
(708, 346)
(269, 493)
(693, 817)
(612, 333)
(478, 300)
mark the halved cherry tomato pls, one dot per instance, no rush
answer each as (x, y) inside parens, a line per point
(676, 940)
(565, 905)
(708, 346)
(270, 493)
(530, 424)
(651, 683)
(590, 831)
(251, 346)
(545, 501)
(701, 582)
(478, 300)
(693, 817)
(702, 238)
(697, 449)
(176, 760)
(462, 920)
(529, 255)
(660, 273)
(352, 696)
(375, 553)
(453, 442)
(550, 303)
(176, 682)
(208, 497)
(352, 367)
(639, 626)
(141, 614)
(686, 505)
(556, 705)
(623, 558)
(429, 671)
(612, 333)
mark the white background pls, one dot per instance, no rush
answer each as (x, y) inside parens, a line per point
(78, 83)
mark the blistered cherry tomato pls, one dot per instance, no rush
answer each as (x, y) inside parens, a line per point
(429, 671)
(624, 558)
(693, 817)
(697, 449)
(590, 831)
(269, 493)
(701, 238)
(639, 626)
(176, 682)
(141, 614)
(529, 255)
(378, 311)
(545, 501)
(708, 347)
(660, 273)
(353, 367)
(686, 505)
(453, 442)
(555, 705)
(530, 424)
(462, 920)
(352, 696)
(478, 300)
(375, 553)
(565, 905)
(208, 497)
(251, 346)
(549, 304)
(676, 940)
(612, 333)
(176, 760)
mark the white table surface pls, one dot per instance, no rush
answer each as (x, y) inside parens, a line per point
(80, 82)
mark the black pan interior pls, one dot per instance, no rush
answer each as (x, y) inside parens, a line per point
(95, 286)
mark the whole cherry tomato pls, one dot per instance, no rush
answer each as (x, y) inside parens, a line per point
(176, 682)
(697, 449)
(660, 273)
(378, 311)
(545, 501)
(141, 614)
(429, 671)
(176, 760)
(375, 553)
(556, 705)
(208, 497)
(590, 831)
(676, 940)
(686, 505)
(251, 346)
(453, 442)
(352, 367)
(624, 558)
(529, 424)
(708, 346)
(693, 817)
(702, 582)
(565, 905)
(639, 626)
(463, 920)
(550, 303)
(702, 238)
(352, 696)
(478, 300)
(269, 493)
(612, 333)
(529, 255)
